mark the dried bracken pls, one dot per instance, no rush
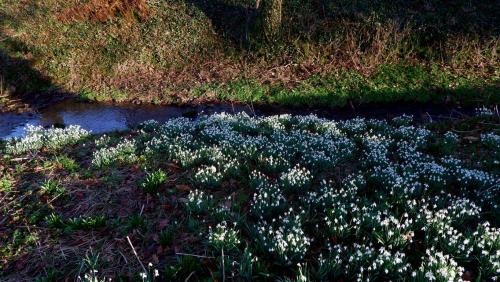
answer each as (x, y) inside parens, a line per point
(104, 10)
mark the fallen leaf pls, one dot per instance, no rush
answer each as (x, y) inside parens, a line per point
(163, 223)
(183, 187)
(467, 276)
(155, 259)
(174, 166)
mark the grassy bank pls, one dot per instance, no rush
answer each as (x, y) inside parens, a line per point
(241, 198)
(179, 51)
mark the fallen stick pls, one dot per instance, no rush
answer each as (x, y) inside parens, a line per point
(191, 255)
(135, 253)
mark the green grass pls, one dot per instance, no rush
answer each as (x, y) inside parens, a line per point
(328, 53)
(67, 164)
(77, 223)
(5, 184)
(152, 181)
(391, 83)
(52, 188)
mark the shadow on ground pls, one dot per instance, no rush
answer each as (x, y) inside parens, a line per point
(22, 87)
(231, 21)
(432, 21)
(486, 94)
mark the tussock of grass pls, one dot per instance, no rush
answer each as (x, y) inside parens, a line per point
(152, 181)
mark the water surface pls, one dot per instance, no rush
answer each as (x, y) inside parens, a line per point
(100, 118)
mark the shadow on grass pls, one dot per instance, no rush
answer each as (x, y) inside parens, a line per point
(476, 95)
(20, 83)
(231, 21)
(432, 21)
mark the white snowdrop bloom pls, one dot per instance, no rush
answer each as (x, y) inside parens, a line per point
(485, 112)
(296, 178)
(352, 196)
(37, 137)
(438, 266)
(223, 237)
(208, 176)
(285, 239)
(198, 201)
(125, 151)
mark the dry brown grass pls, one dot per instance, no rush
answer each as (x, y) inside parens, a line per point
(103, 10)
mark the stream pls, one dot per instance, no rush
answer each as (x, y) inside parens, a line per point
(101, 118)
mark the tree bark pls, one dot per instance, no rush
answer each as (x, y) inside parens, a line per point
(270, 17)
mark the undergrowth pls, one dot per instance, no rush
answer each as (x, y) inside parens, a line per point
(182, 51)
(288, 198)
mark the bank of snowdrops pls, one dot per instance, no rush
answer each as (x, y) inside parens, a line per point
(355, 200)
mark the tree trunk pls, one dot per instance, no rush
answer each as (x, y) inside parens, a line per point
(270, 17)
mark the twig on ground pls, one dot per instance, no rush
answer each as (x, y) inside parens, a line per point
(487, 123)
(187, 278)
(459, 113)
(124, 258)
(466, 131)
(494, 186)
(19, 159)
(223, 270)
(4, 197)
(137, 256)
(62, 252)
(430, 117)
(55, 198)
(192, 255)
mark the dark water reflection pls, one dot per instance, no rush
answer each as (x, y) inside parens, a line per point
(100, 118)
